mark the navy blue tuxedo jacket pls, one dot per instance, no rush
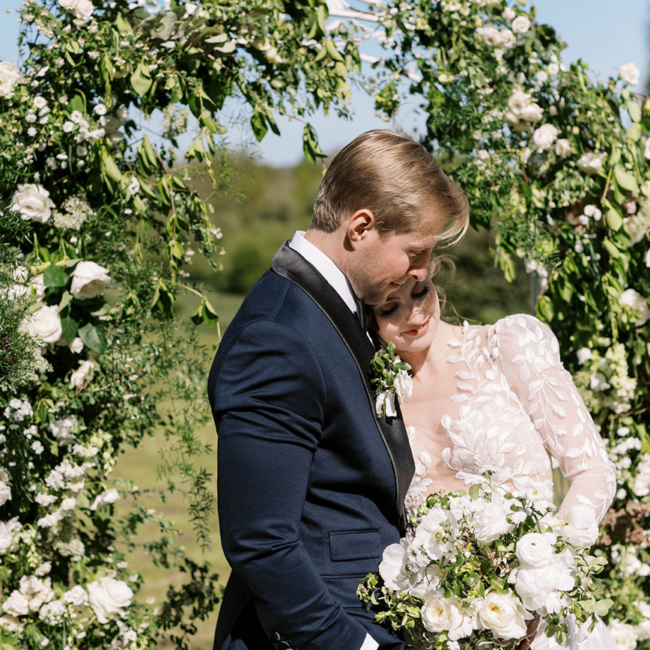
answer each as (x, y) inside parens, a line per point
(311, 484)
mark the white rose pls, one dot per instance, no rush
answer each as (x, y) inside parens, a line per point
(520, 25)
(635, 228)
(507, 39)
(76, 596)
(8, 537)
(532, 113)
(625, 635)
(16, 604)
(44, 324)
(490, 523)
(403, 386)
(37, 283)
(101, 500)
(518, 102)
(491, 36)
(535, 550)
(553, 68)
(504, 616)
(9, 77)
(76, 345)
(509, 14)
(584, 354)
(5, 493)
(563, 147)
(545, 136)
(629, 73)
(81, 376)
(80, 8)
(108, 598)
(591, 162)
(33, 203)
(88, 280)
(581, 528)
(436, 614)
(634, 299)
(30, 585)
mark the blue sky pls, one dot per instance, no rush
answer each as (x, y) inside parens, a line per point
(604, 33)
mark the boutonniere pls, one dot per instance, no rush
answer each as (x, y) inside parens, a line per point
(390, 377)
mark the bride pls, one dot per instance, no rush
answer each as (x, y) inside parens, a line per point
(495, 398)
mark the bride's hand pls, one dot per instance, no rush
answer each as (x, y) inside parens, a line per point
(531, 632)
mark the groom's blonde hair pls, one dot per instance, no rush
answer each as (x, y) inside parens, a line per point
(395, 178)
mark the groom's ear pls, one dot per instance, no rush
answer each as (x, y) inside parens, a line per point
(360, 225)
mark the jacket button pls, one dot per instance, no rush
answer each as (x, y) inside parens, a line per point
(276, 637)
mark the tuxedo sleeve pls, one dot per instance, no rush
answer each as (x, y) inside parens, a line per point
(269, 401)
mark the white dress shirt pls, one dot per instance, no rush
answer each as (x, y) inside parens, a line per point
(336, 278)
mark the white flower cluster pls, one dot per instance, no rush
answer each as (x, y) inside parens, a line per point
(74, 212)
(9, 78)
(523, 111)
(613, 373)
(175, 121)
(539, 580)
(497, 37)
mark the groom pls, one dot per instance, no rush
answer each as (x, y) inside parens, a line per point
(311, 483)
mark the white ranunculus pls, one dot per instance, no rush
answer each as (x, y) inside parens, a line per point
(104, 499)
(33, 202)
(81, 376)
(532, 113)
(16, 604)
(44, 324)
(80, 8)
(634, 299)
(403, 386)
(436, 614)
(89, 279)
(625, 635)
(582, 526)
(504, 615)
(520, 25)
(490, 523)
(108, 598)
(545, 136)
(8, 535)
(76, 345)
(9, 77)
(37, 283)
(5, 493)
(584, 354)
(630, 74)
(535, 550)
(591, 162)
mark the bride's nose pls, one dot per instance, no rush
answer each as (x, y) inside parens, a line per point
(416, 316)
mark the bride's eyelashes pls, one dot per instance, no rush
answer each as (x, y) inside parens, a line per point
(389, 311)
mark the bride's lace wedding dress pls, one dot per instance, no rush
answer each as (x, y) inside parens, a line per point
(510, 407)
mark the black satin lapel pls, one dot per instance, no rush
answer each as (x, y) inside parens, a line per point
(294, 267)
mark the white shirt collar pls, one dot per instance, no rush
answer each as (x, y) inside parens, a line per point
(326, 267)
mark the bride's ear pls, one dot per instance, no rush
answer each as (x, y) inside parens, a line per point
(359, 226)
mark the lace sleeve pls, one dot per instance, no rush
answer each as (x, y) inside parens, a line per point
(529, 355)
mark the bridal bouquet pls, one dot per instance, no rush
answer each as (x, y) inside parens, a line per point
(478, 567)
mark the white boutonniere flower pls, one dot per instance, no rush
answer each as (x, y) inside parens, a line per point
(391, 379)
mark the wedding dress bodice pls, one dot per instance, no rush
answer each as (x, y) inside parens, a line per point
(512, 408)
